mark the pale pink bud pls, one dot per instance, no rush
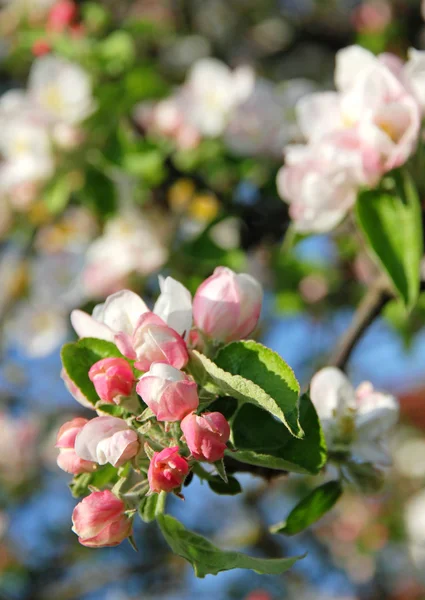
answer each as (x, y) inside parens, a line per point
(68, 460)
(100, 520)
(113, 379)
(227, 305)
(206, 435)
(167, 470)
(107, 440)
(153, 341)
(168, 392)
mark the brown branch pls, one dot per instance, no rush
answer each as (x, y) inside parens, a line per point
(369, 308)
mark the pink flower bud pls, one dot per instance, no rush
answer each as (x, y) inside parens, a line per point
(168, 392)
(113, 379)
(100, 520)
(206, 435)
(227, 305)
(107, 440)
(68, 460)
(61, 15)
(167, 470)
(153, 341)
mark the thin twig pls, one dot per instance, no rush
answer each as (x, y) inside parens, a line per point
(369, 308)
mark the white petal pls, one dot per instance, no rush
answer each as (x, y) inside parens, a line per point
(87, 326)
(174, 305)
(374, 452)
(122, 310)
(331, 393)
(350, 62)
(376, 414)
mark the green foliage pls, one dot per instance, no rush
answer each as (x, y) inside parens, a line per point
(261, 440)
(392, 224)
(78, 357)
(79, 486)
(310, 509)
(257, 375)
(207, 559)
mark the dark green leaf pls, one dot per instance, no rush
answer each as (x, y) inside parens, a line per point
(392, 224)
(99, 193)
(231, 488)
(310, 509)
(207, 559)
(255, 374)
(261, 440)
(78, 357)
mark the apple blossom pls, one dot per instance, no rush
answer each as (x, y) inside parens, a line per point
(61, 88)
(355, 420)
(99, 520)
(206, 435)
(129, 244)
(118, 314)
(68, 460)
(153, 341)
(107, 440)
(112, 378)
(167, 470)
(168, 392)
(212, 91)
(174, 305)
(227, 305)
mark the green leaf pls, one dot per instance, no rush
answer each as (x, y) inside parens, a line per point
(78, 357)
(255, 374)
(99, 193)
(261, 440)
(310, 509)
(231, 488)
(147, 508)
(79, 486)
(57, 194)
(207, 559)
(392, 224)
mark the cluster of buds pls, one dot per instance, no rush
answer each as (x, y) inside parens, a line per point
(163, 430)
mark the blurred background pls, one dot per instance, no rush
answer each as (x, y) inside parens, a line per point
(105, 182)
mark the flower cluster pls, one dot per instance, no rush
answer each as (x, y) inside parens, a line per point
(162, 427)
(355, 135)
(252, 114)
(34, 123)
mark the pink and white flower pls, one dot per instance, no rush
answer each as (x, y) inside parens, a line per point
(107, 440)
(358, 420)
(100, 520)
(206, 435)
(168, 392)
(112, 378)
(153, 341)
(227, 305)
(167, 470)
(68, 460)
